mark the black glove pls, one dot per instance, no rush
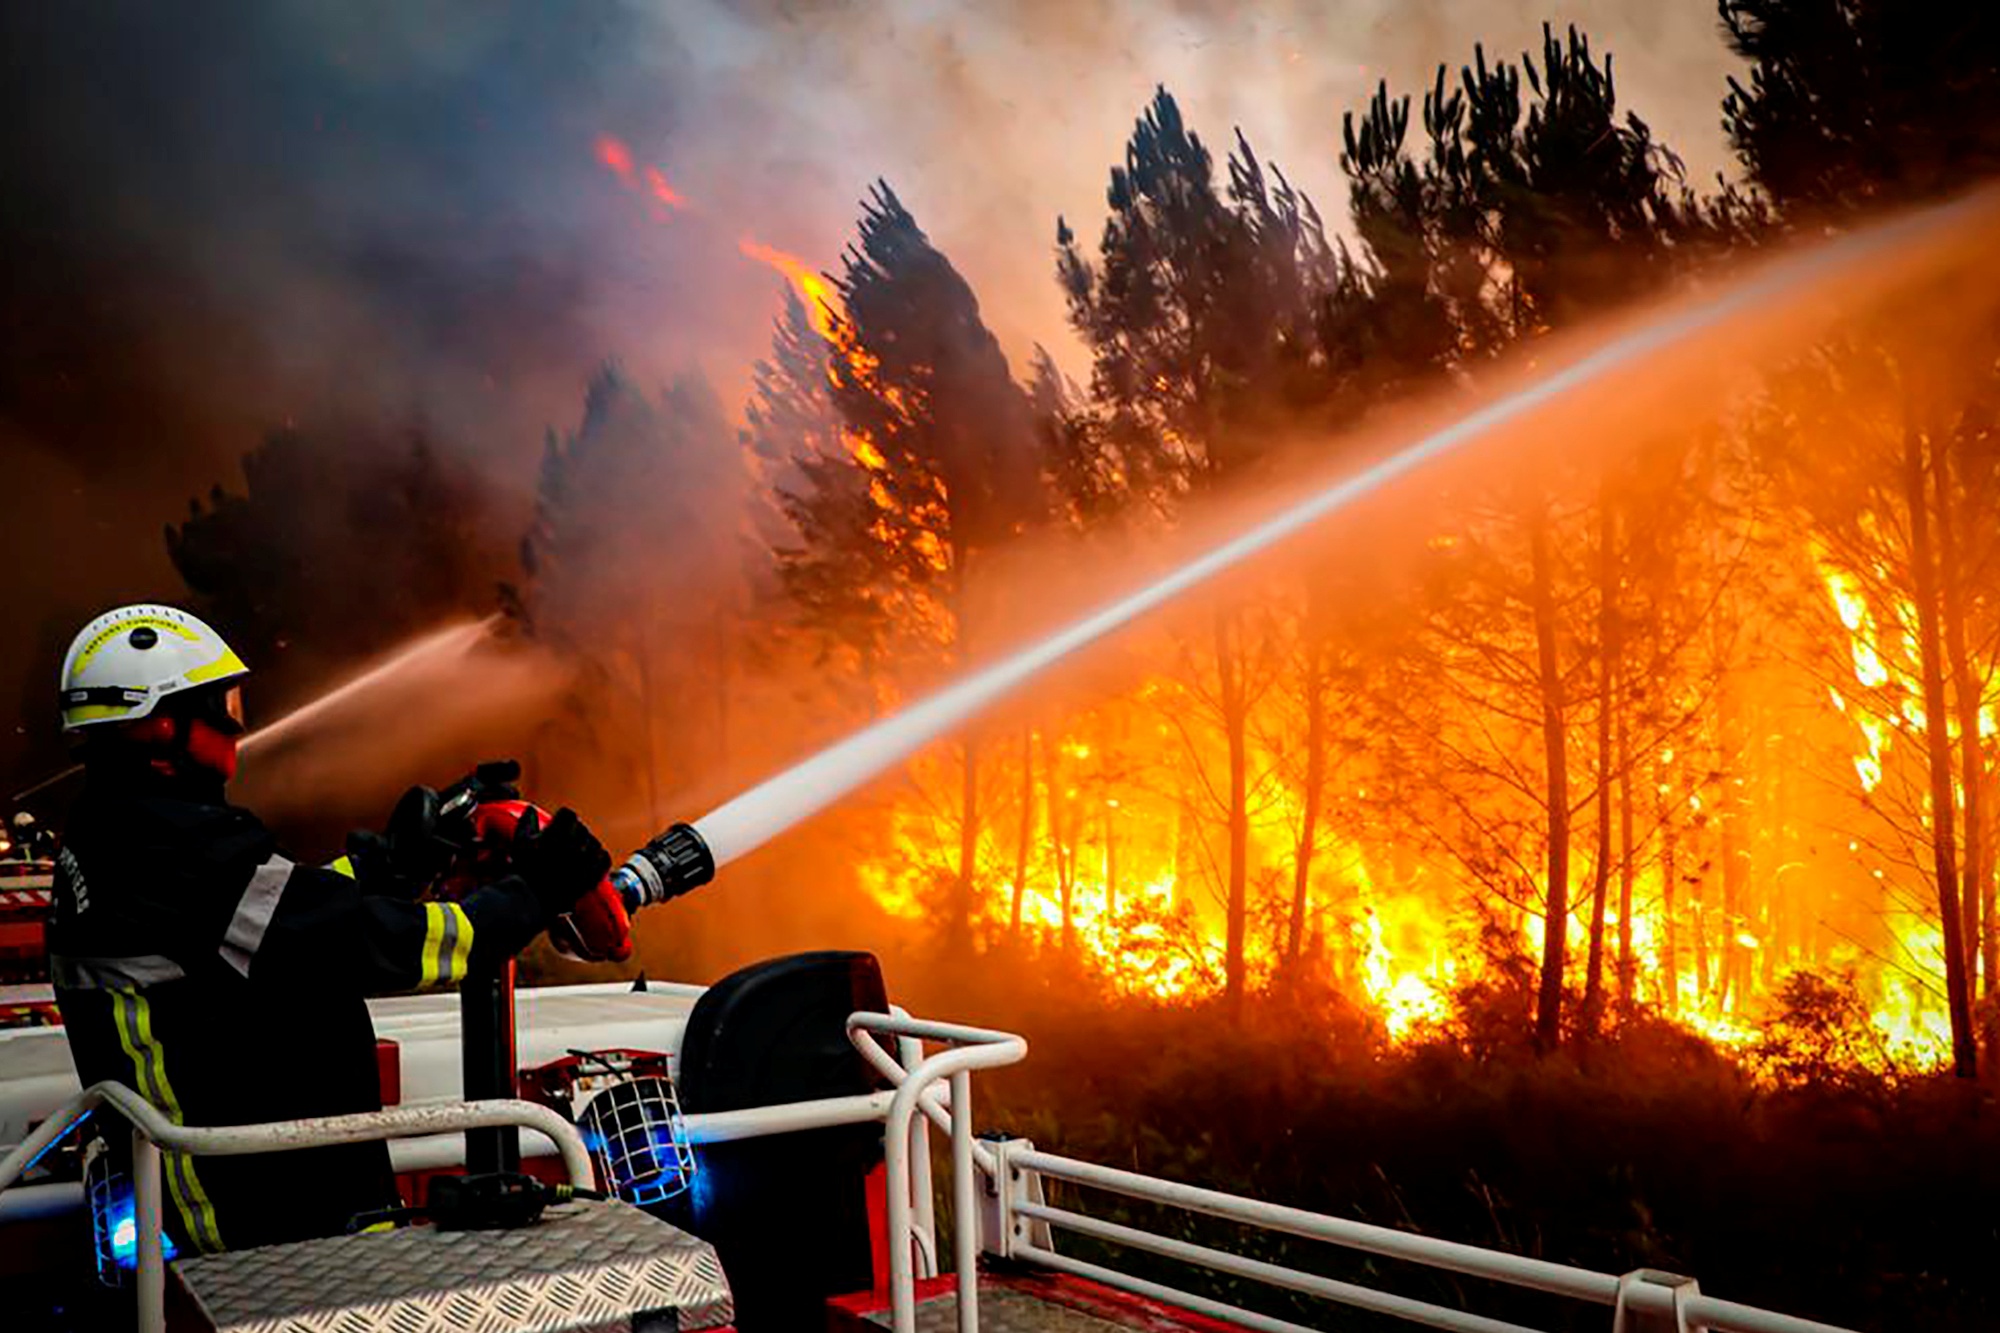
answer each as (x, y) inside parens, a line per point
(427, 829)
(559, 863)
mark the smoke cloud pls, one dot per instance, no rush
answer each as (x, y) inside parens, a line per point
(220, 218)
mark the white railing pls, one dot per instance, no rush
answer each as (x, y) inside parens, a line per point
(1016, 1222)
(967, 1049)
(153, 1132)
(1664, 1300)
(996, 1188)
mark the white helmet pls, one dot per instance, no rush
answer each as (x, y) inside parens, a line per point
(124, 662)
(23, 820)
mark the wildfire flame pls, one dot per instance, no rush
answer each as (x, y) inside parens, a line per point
(616, 155)
(1118, 873)
(813, 289)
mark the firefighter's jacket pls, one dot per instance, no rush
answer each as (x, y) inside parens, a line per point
(226, 984)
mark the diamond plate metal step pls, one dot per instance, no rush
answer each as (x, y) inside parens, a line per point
(584, 1267)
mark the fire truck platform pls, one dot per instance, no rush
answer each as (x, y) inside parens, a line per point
(1025, 1302)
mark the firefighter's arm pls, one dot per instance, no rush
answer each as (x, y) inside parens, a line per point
(313, 924)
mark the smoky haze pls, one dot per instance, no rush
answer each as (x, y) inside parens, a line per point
(223, 218)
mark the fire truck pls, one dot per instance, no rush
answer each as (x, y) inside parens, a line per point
(784, 1149)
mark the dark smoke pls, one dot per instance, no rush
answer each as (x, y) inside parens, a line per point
(216, 219)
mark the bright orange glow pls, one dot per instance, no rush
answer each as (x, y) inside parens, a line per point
(813, 289)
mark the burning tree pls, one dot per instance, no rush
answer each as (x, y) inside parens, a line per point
(1522, 217)
(1900, 479)
(938, 469)
(1198, 311)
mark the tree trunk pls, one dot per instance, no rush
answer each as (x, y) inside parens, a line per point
(1989, 951)
(1965, 691)
(1110, 859)
(1059, 846)
(1027, 828)
(968, 842)
(1555, 917)
(1670, 960)
(1607, 680)
(1235, 723)
(1730, 990)
(1626, 867)
(1315, 684)
(1938, 742)
(1698, 918)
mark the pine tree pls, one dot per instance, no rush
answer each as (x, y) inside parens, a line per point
(1523, 214)
(1853, 106)
(938, 467)
(1201, 313)
(343, 542)
(634, 567)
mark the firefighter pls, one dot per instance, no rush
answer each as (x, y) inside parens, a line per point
(195, 962)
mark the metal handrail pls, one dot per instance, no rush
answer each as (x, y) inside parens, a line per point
(970, 1048)
(1682, 1302)
(152, 1132)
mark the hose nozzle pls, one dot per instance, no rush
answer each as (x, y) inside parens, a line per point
(672, 864)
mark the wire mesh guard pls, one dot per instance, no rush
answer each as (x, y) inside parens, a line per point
(636, 1135)
(114, 1228)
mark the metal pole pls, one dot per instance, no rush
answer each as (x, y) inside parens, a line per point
(486, 1033)
(964, 1202)
(911, 1052)
(151, 1277)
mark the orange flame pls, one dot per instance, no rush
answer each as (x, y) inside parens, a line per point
(813, 289)
(616, 155)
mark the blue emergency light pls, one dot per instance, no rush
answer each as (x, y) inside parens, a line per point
(114, 1226)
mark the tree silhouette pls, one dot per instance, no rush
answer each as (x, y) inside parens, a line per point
(342, 543)
(1524, 212)
(635, 571)
(937, 466)
(1854, 103)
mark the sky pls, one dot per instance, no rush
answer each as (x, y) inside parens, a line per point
(221, 218)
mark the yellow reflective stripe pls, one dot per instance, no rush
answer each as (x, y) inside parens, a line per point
(427, 973)
(229, 664)
(116, 628)
(95, 712)
(343, 865)
(374, 1228)
(134, 1019)
(447, 944)
(461, 946)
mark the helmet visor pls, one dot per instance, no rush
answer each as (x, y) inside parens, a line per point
(223, 709)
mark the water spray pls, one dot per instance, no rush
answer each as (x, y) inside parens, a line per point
(687, 855)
